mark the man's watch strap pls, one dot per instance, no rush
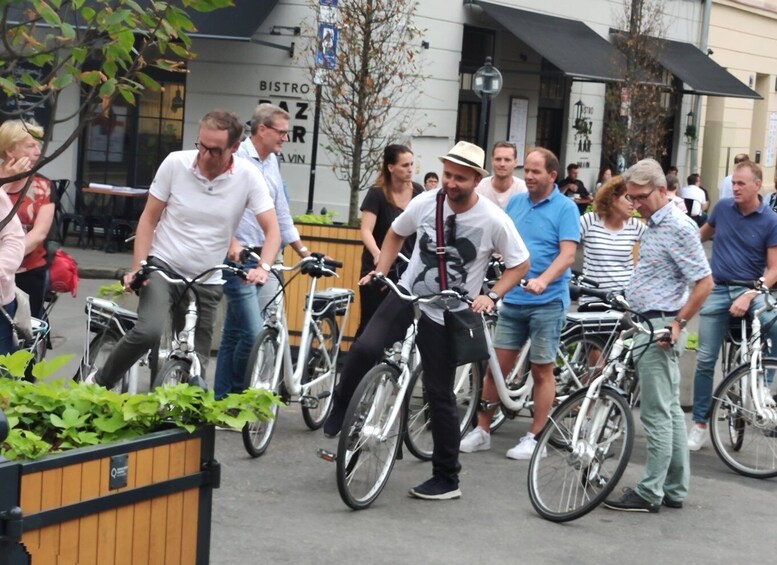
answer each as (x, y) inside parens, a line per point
(493, 296)
(682, 322)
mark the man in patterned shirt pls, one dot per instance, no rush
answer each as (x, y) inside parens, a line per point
(670, 259)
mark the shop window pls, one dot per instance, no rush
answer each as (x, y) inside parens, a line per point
(126, 147)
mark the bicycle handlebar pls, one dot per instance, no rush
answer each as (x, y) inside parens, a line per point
(578, 277)
(141, 276)
(451, 293)
(315, 265)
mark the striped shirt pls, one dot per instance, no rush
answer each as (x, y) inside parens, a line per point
(670, 258)
(607, 254)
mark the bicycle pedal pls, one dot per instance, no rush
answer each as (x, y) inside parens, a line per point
(309, 402)
(326, 455)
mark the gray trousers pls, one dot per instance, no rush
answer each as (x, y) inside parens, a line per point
(157, 298)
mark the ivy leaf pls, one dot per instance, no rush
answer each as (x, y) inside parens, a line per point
(44, 369)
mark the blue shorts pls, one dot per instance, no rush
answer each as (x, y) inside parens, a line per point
(540, 322)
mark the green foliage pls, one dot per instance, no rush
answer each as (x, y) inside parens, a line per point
(111, 291)
(692, 342)
(322, 219)
(105, 56)
(48, 417)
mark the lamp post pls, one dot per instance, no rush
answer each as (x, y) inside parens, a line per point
(487, 84)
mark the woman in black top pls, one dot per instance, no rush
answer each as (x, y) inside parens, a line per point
(391, 193)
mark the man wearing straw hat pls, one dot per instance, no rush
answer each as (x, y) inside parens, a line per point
(475, 227)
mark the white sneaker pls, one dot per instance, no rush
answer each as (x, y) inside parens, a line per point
(476, 440)
(697, 437)
(525, 448)
(89, 378)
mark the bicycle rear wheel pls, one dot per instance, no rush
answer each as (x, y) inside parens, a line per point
(100, 348)
(567, 481)
(367, 449)
(418, 421)
(745, 442)
(317, 367)
(260, 373)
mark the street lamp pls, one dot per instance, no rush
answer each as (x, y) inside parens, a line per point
(487, 84)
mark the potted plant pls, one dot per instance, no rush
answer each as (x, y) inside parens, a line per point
(89, 474)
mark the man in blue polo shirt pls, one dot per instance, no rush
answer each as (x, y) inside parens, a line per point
(745, 248)
(549, 225)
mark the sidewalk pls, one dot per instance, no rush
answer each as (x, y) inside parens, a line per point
(97, 264)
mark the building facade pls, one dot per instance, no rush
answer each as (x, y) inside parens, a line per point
(556, 59)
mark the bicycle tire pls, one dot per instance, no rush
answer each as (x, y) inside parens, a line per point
(418, 421)
(100, 348)
(364, 458)
(315, 366)
(745, 444)
(564, 487)
(173, 372)
(260, 374)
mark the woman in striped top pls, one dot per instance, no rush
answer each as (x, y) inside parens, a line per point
(608, 236)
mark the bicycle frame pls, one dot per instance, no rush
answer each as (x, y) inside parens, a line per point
(277, 319)
(764, 413)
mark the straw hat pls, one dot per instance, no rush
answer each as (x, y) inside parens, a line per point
(468, 155)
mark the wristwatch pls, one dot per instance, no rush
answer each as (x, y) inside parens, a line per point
(493, 296)
(682, 322)
(266, 267)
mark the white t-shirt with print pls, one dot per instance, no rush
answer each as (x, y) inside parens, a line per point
(480, 231)
(201, 215)
(500, 198)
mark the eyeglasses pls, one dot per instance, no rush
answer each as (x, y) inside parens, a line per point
(215, 151)
(281, 132)
(640, 197)
(450, 230)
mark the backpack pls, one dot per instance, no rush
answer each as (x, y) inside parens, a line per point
(63, 273)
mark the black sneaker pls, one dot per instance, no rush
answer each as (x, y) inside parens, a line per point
(631, 502)
(437, 488)
(671, 502)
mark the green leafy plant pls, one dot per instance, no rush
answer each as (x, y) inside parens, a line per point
(111, 291)
(692, 343)
(48, 417)
(323, 219)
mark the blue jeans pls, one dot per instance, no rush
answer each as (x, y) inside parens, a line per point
(540, 322)
(713, 325)
(243, 320)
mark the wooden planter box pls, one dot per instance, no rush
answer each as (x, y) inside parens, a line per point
(341, 243)
(145, 501)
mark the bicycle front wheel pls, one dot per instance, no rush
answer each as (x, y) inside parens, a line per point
(418, 420)
(260, 373)
(368, 446)
(173, 372)
(315, 413)
(744, 441)
(566, 480)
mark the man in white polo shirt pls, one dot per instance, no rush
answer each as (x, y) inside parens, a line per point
(194, 206)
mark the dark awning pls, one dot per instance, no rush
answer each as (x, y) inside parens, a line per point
(239, 22)
(699, 73)
(577, 50)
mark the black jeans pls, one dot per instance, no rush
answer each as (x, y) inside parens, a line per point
(387, 326)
